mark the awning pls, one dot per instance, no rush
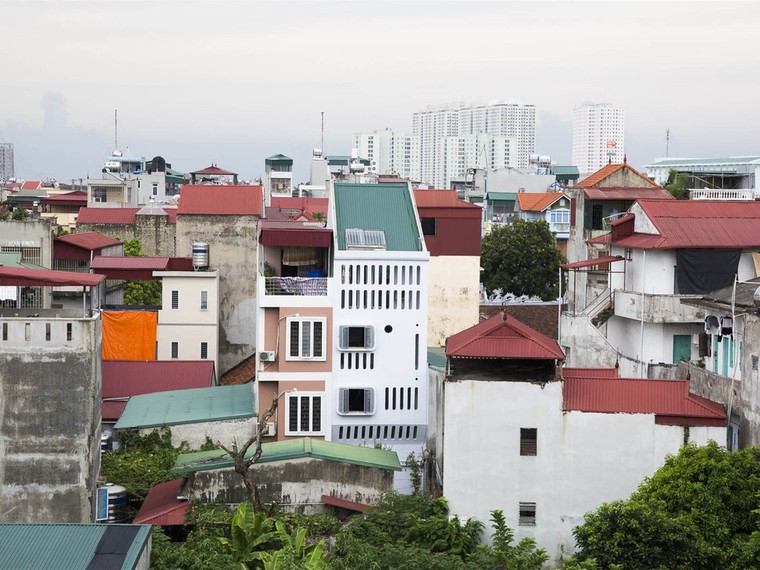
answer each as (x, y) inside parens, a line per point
(302, 237)
(344, 504)
(592, 262)
(20, 277)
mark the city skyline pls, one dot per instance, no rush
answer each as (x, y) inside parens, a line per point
(233, 83)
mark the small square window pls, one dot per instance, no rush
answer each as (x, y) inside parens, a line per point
(175, 350)
(356, 401)
(428, 226)
(528, 441)
(356, 338)
(527, 514)
(175, 299)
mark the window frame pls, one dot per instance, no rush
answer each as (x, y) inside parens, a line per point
(344, 397)
(204, 349)
(174, 350)
(297, 396)
(300, 357)
(526, 514)
(175, 299)
(344, 335)
(204, 300)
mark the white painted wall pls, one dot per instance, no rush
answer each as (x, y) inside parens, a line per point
(583, 459)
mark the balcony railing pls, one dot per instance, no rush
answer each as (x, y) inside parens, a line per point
(309, 286)
(721, 194)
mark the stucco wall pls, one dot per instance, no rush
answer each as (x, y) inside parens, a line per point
(49, 420)
(156, 235)
(583, 459)
(225, 431)
(453, 296)
(232, 252)
(297, 484)
(37, 233)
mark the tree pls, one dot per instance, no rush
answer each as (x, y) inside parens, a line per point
(677, 184)
(140, 293)
(701, 510)
(19, 214)
(522, 258)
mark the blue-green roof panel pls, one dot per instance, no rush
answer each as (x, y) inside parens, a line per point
(295, 449)
(196, 405)
(387, 207)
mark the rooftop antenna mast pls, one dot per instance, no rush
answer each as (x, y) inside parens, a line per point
(667, 143)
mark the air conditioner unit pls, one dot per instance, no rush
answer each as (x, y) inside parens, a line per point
(266, 356)
(271, 430)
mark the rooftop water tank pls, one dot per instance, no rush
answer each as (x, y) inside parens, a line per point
(200, 255)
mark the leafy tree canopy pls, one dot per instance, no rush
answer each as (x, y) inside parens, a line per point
(140, 293)
(678, 184)
(522, 258)
(699, 511)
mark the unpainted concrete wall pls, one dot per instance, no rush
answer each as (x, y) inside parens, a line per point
(49, 421)
(297, 485)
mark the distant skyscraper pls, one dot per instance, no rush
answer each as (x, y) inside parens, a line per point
(7, 170)
(598, 136)
(390, 153)
(433, 125)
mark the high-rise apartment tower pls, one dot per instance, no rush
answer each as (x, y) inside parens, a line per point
(598, 136)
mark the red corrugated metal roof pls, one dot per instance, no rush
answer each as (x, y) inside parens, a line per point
(440, 199)
(624, 193)
(203, 199)
(161, 506)
(215, 170)
(589, 372)
(88, 240)
(310, 205)
(21, 277)
(669, 398)
(592, 262)
(503, 336)
(538, 201)
(76, 197)
(32, 185)
(344, 504)
(607, 171)
(125, 378)
(105, 262)
(117, 216)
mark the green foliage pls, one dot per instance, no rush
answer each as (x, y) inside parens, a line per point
(502, 554)
(699, 511)
(522, 258)
(295, 553)
(19, 214)
(141, 462)
(678, 184)
(315, 525)
(201, 551)
(140, 293)
(415, 472)
(252, 534)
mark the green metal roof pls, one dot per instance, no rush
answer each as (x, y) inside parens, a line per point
(436, 356)
(278, 158)
(387, 207)
(69, 546)
(13, 259)
(502, 196)
(294, 449)
(568, 171)
(196, 405)
(696, 161)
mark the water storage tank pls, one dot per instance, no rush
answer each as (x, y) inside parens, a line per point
(117, 503)
(200, 255)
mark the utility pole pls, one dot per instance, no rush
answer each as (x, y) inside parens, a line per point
(667, 143)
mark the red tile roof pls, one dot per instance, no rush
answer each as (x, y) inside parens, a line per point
(116, 216)
(503, 336)
(214, 170)
(685, 224)
(244, 371)
(32, 185)
(440, 199)
(538, 201)
(161, 506)
(221, 200)
(625, 193)
(669, 400)
(125, 378)
(21, 277)
(88, 240)
(607, 171)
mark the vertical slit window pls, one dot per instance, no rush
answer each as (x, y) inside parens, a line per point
(69, 331)
(386, 397)
(175, 299)
(204, 350)
(416, 398)
(47, 331)
(204, 300)
(5, 331)
(417, 351)
(27, 331)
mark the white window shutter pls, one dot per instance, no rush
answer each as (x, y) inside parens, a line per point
(369, 396)
(343, 337)
(369, 337)
(343, 401)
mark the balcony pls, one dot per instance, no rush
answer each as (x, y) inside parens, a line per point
(721, 194)
(657, 308)
(309, 286)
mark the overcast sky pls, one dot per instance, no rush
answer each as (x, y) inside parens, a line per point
(235, 82)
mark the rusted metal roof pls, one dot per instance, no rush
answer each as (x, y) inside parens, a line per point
(589, 372)
(592, 262)
(625, 193)
(232, 200)
(669, 400)
(91, 241)
(293, 233)
(21, 277)
(161, 506)
(343, 504)
(116, 216)
(503, 336)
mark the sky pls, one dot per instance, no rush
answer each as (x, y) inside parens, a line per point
(231, 83)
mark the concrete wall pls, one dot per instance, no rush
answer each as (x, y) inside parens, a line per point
(157, 236)
(297, 485)
(195, 434)
(453, 296)
(232, 252)
(583, 459)
(50, 394)
(36, 233)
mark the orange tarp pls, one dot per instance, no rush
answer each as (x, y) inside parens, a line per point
(129, 335)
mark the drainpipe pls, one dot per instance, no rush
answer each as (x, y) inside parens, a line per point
(641, 332)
